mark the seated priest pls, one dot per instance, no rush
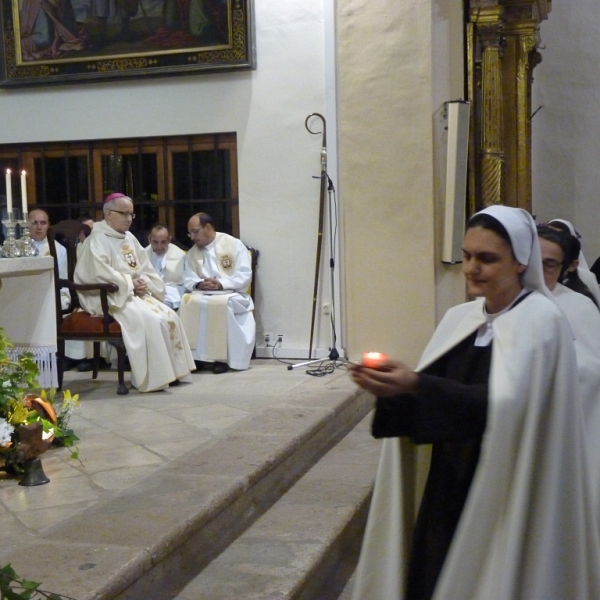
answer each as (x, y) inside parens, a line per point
(168, 261)
(217, 314)
(155, 341)
(39, 222)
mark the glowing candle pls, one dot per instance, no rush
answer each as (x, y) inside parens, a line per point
(8, 192)
(373, 360)
(23, 194)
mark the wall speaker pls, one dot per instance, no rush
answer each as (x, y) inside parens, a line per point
(456, 180)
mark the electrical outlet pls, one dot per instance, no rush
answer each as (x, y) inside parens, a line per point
(267, 339)
(280, 338)
(326, 309)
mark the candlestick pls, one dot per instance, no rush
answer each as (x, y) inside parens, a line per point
(10, 248)
(26, 245)
(9, 206)
(23, 194)
(373, 360)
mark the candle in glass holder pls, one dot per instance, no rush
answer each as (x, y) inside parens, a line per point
(9, 206)
(373, 360)
(23, 194)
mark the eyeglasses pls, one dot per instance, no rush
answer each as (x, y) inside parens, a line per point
(194, 232)
(124, 213)
(551, 265)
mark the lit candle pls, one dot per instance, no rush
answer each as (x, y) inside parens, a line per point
(23, 194)
(373, 360)
(8, 192)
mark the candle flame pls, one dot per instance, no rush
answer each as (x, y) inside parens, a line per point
(8, 171)
(23, 173)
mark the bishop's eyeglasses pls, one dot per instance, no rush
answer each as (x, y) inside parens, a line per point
(124, 213)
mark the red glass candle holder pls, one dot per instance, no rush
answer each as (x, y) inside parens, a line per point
(373, 360)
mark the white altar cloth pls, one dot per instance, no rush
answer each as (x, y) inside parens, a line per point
(28, 313)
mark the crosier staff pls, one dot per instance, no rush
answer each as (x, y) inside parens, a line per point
(322, 194)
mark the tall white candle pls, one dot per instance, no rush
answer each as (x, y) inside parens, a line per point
(8, 192)
(23, 194)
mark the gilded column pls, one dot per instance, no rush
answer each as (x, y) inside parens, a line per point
(528, 43)
(472, 171)
(492, 115)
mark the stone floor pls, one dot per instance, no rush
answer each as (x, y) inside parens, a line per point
(126, 438)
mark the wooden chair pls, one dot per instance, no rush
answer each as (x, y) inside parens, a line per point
(75, 324)
(67, 233)
(254, 254)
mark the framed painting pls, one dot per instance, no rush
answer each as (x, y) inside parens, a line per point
(67, 41)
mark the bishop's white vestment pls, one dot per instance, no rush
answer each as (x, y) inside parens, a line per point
(220, 325)
(156, 343)
(527, 530)
(170, 268)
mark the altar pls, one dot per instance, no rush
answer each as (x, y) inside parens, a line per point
(28, 311)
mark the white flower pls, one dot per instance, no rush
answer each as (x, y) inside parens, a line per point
(6, 430)
(6, 383)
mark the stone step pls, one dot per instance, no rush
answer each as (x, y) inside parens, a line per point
(170, 525)
(305, 547)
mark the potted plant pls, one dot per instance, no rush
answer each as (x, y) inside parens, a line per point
(30, 420)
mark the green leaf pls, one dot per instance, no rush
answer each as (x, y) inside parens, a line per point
(8, 571)
(30, 585)
(11, 595)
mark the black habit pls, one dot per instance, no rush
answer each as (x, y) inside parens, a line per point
(449, 411)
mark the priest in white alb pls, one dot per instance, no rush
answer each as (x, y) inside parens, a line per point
(39, 223)
(155, 341)
(217, 312)
(168, 260)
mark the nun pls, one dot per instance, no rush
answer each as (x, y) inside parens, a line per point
(584, 320)
(579, 266)
(506, 512)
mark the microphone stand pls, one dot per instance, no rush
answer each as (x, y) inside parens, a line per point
(334, 355)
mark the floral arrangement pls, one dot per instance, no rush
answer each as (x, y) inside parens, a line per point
(30, 419)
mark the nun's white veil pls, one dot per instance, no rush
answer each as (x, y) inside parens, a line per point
(582, 262)
(521, 229)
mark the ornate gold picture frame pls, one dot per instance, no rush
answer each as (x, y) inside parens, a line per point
(66, 41)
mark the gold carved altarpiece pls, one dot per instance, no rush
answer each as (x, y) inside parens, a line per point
(502, 41)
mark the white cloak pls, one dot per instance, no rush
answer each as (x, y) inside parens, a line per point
(527, 530)
(156, 344)
(170, 268)
(241, 327)
(584, 319)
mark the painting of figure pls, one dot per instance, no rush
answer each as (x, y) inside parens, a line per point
(49, 29)
(87, 39)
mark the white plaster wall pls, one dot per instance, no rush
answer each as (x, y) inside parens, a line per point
(277, 156)
(566, 131)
